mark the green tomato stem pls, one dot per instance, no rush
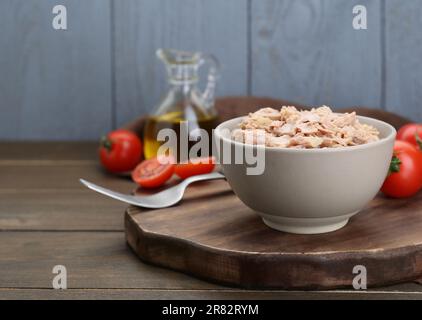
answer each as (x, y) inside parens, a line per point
(106, 143)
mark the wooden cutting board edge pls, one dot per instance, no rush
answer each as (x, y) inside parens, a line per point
(300, 271)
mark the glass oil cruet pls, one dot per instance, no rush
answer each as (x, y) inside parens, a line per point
(184, 102)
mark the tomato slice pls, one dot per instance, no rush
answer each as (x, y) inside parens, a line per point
(194, 167)
(154, 172)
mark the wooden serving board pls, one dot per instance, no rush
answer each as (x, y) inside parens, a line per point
(211, 234)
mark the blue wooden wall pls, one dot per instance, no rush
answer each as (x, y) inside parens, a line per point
(102, 71)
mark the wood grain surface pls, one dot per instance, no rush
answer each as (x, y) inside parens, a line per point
(403, 47)
(318, 58)
(41, 227)
(47, 218)
(222, 240)
(102, 71)
(54, 85)
(395, 292)
(48, 151)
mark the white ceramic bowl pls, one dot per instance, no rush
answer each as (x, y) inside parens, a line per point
(309, 191)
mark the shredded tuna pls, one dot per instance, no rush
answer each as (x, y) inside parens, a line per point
(316, 128)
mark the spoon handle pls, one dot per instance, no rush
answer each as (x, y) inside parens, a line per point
(110, 193)
(154, 201)
(208, 176)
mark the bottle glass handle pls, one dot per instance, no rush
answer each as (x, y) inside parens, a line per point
(213, 74)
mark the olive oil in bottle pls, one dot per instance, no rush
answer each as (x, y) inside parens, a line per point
(184, 107)
(173, 121)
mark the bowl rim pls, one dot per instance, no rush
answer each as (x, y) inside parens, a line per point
(389, 137)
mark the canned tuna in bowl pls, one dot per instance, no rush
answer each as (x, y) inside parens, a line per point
(305, 190)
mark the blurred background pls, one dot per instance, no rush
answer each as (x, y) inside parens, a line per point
(102, 71)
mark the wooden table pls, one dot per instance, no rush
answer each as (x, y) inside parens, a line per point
(48, 218)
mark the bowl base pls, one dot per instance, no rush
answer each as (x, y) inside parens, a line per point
(306, 225)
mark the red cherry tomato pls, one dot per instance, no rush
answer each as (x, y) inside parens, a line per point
(405, 174)
(400, 145)
(154, 172)
(120, 151)
(411, 133)
(406, 146)
(195, 167)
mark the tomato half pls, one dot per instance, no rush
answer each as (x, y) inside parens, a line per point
(120, 151)
(195, 167)
(405, 175)
(154, 172)
(411, 133)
